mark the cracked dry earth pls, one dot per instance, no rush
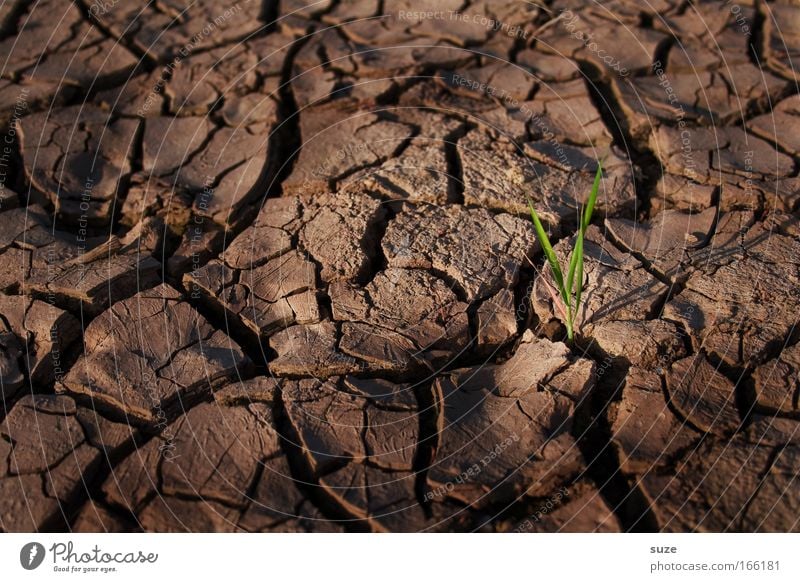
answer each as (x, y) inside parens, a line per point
(267, 266)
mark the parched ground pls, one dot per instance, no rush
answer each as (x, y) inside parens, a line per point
(268, 266)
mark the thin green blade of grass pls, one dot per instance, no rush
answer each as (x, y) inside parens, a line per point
(587, 213)
(578, 272)
(573, 263)
(587, 218)
(549, 254)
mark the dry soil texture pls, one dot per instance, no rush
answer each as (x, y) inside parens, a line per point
(268, 266)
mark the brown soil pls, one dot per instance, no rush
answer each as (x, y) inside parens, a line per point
(270, 267)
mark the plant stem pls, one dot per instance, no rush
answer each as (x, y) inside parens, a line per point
(569, 324)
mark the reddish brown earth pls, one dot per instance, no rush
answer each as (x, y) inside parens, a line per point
(268, 266)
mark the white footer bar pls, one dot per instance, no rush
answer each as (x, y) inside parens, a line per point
(356, 557)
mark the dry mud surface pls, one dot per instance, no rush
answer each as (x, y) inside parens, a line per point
(267, 266)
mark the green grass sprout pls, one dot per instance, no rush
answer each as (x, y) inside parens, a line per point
(571, 292)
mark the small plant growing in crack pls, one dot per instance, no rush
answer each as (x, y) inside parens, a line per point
(568, 298)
